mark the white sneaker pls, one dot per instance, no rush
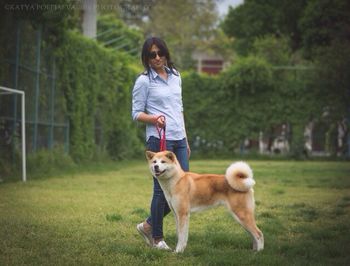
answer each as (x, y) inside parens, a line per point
(146, 235)
(161, 245)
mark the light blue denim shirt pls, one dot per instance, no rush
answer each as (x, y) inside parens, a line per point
(155, 96)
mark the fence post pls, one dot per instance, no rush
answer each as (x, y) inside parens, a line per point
(52, 104)
(18, 36)
(37, 89)
(66, 139)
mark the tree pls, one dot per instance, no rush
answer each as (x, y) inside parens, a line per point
(132, 12)
(323, 23)
(228, 108)
(248, 86)
(275, 50)
(184, 25)
(115, 34)
(255, 19)
(325, 28)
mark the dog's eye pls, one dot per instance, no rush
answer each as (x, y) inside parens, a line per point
(154, 161)
(163, 161)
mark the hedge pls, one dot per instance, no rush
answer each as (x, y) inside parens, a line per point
(96, 82)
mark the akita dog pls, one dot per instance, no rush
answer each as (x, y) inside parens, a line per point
(186, 192)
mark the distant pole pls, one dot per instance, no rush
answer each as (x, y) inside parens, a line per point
(348, 135)
(89, 18)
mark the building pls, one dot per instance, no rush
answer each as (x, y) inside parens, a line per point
(210, 64)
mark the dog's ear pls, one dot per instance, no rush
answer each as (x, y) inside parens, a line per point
(171, 156)
(149, 155)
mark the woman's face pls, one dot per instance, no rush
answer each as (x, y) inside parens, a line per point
(157, 59)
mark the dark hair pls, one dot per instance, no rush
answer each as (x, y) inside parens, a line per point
(162, 47)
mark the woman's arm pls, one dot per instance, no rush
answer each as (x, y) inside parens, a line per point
(139, 98)
(151, 119)
(188, 145)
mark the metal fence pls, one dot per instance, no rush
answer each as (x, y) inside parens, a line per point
(27, 63)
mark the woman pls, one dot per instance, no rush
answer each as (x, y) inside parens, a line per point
(157, 101)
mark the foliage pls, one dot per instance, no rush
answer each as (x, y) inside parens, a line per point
(54, 16)
(219, 44)
(307, 44)
(325, 27)
(184, 26)
(333, 81)
(324, 22)
(96, 83)
(247, 86)
(10, 171)
(115, 34)
(200, 93)
(249, 21)
(274, 50)
(249, 97)
(239, 114)
(248, 76)
(132, 12)
(44, 163)
(255, 19)
(95, 80)
(261, 90)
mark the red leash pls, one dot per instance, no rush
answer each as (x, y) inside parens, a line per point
(161, 132)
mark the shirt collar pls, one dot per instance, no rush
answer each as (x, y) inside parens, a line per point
(155, 74)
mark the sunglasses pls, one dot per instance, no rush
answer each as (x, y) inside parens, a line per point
(153, 54)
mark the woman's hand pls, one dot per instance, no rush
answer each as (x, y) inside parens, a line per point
(188, 150)
(159, 121)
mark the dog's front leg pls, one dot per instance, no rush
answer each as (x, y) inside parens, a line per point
(182, 230)
(176, 217)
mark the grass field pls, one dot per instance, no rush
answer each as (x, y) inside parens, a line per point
(89, 218)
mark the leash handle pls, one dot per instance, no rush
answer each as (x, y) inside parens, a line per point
(161, 133)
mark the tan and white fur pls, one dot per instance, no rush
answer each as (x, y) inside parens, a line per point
(186, 192)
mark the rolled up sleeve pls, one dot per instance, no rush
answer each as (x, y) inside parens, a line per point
(139, 96)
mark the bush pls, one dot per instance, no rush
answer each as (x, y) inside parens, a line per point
(96, 83)
(221, 111)
(44, 163)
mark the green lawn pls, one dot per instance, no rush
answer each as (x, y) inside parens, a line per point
(303, 209)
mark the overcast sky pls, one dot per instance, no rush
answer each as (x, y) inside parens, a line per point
(224, 4)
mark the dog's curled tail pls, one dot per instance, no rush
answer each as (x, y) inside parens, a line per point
(239, 175)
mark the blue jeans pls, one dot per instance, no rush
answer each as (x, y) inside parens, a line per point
(159, 205)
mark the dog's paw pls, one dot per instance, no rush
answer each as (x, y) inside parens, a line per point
(258, 244)
(179, 249)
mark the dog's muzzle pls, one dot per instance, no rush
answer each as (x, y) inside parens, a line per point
(157, 171)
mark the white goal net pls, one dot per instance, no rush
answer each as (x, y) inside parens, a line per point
(3, 93)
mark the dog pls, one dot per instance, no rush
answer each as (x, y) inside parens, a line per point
(187, 192)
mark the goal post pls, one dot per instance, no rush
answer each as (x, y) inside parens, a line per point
(4, 90)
